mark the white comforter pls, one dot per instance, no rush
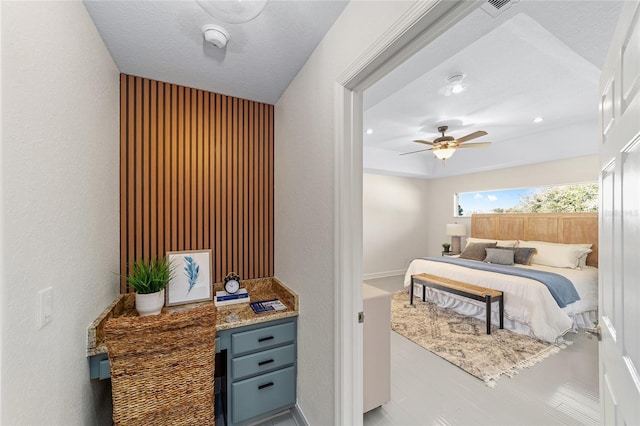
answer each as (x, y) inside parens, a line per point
(529, 308)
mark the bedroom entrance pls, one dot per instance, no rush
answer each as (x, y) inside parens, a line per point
(435, 236)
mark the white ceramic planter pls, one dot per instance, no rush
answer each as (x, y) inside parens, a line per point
(149, 304)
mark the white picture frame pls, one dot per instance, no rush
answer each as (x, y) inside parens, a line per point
(191, 280)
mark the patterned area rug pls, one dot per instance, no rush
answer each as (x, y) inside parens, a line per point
(463, 340)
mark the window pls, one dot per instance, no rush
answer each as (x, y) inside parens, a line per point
(549, 199)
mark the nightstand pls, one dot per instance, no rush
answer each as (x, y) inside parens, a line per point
(448, 253)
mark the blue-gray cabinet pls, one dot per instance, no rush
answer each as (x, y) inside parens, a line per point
(261, 369)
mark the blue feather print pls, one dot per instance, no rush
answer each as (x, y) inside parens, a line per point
(191, 270)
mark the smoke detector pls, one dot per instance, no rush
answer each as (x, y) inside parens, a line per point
(215, 35)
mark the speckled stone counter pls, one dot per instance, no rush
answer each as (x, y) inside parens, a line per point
(228, 317)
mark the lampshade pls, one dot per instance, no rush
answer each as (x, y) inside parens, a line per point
(456, 229)
(233, 11)
(444, 153)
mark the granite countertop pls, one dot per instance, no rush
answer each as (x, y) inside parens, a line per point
(229, 316)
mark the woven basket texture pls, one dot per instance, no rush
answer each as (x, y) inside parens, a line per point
(162, 367)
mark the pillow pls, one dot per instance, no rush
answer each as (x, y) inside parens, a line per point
(582, 260)
(521, 255)
(501, 243)
(556, 254)
(499, 256)
(476, 251)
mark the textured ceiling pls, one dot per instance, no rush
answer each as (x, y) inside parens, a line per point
(162, 40)
(536, 59)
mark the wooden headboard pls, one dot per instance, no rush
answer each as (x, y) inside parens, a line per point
(552, 227)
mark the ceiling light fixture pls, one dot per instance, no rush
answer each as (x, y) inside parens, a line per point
(443, 153)
(233, 11)
(455, 85)
(538, 120)
(369, 131)
(215, 35)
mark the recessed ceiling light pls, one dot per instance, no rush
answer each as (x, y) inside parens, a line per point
(455, 85)
(233, 11)
(538, 120)
(369, 131)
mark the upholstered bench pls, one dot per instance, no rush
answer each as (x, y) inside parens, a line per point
(470, 291)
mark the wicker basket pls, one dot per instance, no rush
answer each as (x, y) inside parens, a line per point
(162, 367)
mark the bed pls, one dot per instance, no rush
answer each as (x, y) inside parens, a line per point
(530, 307)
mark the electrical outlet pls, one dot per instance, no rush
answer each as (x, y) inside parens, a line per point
(45, 307)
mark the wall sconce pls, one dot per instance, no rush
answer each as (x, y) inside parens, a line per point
(456, 230)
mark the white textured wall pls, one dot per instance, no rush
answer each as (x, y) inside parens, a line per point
(574, 170)
(60, 133)
(395, 231)
(304, 194)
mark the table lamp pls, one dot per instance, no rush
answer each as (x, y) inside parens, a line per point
(456, 230)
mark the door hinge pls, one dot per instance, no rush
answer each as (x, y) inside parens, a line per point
(361, 317)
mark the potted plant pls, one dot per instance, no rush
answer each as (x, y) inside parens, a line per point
(149, 278)
(445, 247)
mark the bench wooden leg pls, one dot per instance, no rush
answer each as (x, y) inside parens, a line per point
(501, 306)
(487, 299)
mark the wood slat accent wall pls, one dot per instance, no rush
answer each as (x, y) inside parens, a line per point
(196, 172)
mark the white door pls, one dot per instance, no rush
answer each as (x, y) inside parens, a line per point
(619, 315)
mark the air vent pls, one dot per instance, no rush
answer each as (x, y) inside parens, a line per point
(497, 7)
(498, 3)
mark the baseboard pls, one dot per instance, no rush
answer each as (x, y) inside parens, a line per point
(298, 415)
(384, 274)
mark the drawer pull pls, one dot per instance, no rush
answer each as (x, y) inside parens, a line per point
(261, 363)
(266, 385)
(264, 339)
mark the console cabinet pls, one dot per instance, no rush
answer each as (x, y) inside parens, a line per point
(261, 369)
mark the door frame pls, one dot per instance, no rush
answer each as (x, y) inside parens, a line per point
(422, 23)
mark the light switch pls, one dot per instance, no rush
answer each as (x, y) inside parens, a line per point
(45, 307)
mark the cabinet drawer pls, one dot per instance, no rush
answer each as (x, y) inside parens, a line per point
(258, 395)
(262, 338)
(270, 359)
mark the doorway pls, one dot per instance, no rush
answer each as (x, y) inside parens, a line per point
(350, 153)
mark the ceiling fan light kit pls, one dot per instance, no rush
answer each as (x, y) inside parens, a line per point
(443, 154)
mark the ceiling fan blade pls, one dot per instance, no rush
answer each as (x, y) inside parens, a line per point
(475, 145)
(471, 136)
(413, 152)
(424, 142)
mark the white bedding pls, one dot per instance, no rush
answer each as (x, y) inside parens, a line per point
(529, 308)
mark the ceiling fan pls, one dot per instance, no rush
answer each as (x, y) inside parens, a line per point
(443, 147)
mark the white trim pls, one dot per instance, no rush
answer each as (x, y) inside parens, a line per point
(384, 274)
(2, 268)
(423, 22)
(298, 415)
(348, 297)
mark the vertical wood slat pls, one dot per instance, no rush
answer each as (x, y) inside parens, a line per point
(123, 180)
(245, 190)
(196, 172)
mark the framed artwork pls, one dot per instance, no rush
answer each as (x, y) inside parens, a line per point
(191, 281)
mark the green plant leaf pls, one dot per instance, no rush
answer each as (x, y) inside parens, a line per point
(150, 276)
